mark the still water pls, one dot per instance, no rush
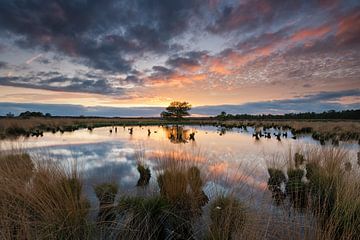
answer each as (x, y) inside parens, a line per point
(233, 157)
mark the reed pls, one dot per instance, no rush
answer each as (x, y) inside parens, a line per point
(44, 200)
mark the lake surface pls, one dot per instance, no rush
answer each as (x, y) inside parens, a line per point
(225, 155)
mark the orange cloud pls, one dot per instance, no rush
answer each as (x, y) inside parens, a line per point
(238, 59)
(177, 79)
(349, 28)
(217, 66)
(310, 33)
(190, 68)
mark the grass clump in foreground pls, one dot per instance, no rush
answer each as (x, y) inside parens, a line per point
(323, 187)
(147, 218)
(106, 193)
(227, 216)
(43, 202)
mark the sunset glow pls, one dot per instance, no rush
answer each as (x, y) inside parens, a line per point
(210, 53)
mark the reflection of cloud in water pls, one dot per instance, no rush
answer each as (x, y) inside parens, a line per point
(112, 157)
(98, 161)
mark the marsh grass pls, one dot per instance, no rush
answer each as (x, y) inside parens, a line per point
(318, 184)
(322, 130)
(228, 216)
(44, 200)
(106, 194)
(46, 204)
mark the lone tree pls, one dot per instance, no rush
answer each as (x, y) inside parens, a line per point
(176, 110)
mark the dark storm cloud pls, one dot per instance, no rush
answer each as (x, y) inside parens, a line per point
(180, 62)
(186, 59)
(133, 79)
(3, 65)
(62, 83)
(161, 72)
(99, 33)
(249, 15)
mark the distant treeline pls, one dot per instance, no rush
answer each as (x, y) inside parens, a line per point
(332, 114)
(29, 114)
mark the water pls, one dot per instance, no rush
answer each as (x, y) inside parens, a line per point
(233, 157)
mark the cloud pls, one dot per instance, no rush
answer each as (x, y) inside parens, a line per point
(57, 82)
(30, 60)
(188, 64)
(76, 110)
(349, 28)
(120, 46)
(99, 34)
(3, 65)
(310, 33)
(319, 102)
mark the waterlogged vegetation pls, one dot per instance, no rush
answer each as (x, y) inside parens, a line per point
(179, 179)
(337, 126)
(46, 200)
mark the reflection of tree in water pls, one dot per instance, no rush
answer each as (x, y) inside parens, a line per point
(177, 134)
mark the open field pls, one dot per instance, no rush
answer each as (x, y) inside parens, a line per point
(334, 130)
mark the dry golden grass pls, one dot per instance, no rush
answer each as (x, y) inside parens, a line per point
(42, 202)
(329, 194)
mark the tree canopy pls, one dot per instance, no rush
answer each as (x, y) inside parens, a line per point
(176, 110)
(29, 114)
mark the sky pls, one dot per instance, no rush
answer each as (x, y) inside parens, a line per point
(133, 57)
